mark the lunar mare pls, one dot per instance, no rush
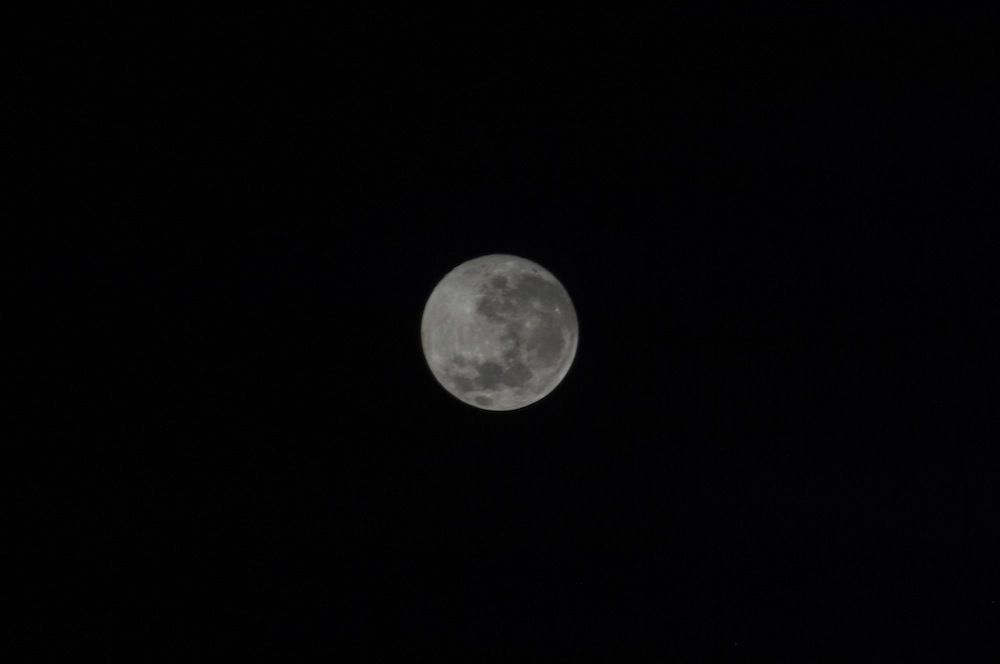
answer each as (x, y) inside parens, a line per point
(499, 332)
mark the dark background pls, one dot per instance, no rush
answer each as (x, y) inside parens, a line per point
(777, 228)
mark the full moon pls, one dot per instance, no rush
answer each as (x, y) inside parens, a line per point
(499, 332)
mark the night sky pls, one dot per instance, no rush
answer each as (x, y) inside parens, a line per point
(777, 228)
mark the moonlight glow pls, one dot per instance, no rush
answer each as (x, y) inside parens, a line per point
(499, 332)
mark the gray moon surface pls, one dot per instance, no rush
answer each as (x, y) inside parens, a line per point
(499, 332)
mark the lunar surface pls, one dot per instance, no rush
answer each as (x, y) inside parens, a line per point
(499, 332)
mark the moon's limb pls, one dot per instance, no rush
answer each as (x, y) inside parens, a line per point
(499, 332)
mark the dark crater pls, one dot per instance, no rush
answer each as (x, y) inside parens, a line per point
(547, 341)
(463, 383)
(490, 375)
(516, 375)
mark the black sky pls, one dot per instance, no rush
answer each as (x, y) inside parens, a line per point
(778, 231)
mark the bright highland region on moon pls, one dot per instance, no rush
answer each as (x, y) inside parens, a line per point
(499, 332)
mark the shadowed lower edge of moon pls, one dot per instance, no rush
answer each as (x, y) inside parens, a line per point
(492, 386)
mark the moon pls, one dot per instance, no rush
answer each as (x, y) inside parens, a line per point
(499, 332)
